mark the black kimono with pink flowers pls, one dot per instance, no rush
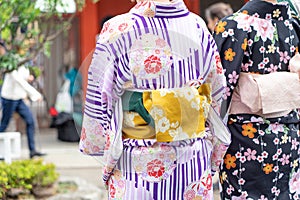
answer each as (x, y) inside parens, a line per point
(262, 161)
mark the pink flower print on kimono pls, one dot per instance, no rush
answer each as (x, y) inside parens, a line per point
(116, 186)
(295, 183)
(154, 163)
(200, 190)
(113, 28)
(96, 142)
(150, 57)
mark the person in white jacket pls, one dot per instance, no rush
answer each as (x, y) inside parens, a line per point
(15, 88)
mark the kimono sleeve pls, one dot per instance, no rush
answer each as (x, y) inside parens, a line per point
(220, 136)
(100, 119)
(232, 43)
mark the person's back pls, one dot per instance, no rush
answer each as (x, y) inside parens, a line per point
(256, 45)
(15, 88)
(141, 75)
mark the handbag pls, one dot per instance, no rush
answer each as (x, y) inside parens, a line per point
(64, 102)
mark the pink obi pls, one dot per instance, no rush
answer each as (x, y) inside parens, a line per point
(268, 95)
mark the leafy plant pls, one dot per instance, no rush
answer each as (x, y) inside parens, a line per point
(27, 31)
(26, 174)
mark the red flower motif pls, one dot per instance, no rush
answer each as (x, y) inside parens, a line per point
(155, 168)
(123, 26)
(207, 182)
(152, 64)
(140, 4)
(105, 27)
(107, 143)
(112, 191)
(219, 65)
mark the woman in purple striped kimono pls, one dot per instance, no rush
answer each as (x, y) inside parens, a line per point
(154, 90)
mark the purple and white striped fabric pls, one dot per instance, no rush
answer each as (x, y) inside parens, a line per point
(155, 45)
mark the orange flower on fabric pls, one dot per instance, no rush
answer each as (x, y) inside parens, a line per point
(248, 130)
(220, 27)
(268, 168)
(230, 161)
(244, 45)
(245, 12)
(229, 54)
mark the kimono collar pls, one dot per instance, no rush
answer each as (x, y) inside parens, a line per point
(267, 10)
(173, 9)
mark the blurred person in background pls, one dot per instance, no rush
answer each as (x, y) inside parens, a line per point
(155, 87)
(256, 46)
(215, 12)
(15, 89)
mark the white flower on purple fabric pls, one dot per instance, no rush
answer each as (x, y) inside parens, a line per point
(295, 183)
(235, 172)
(229, 191)
(261, 132)
(262, 197)
(279, 151)
(276, 127)
(287, 40)
(276, 168)
(286, 22)
(274, 189)
(262, 49)
(250, 154)
(268, 16)
(225, 34)
(261, 65)
(295, 144)
(244, 21)
(265, 154)
(275, 157)
(266, 60)
(227, 93)
(260, 159)
(256, 141)
(284, 57)
(276, 141)
(238, 154)
(264, 29)
(233, 77)
(250, 42)
(258, 119)
(241, 181)
(243, 159)
(245, 67)
(256, 15)
(273, 68)
(285, 159)
(293, 48)
(230, 32)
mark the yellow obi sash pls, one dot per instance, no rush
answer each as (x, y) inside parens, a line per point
(168, 114)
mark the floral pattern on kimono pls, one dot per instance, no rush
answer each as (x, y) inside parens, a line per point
(263, 159)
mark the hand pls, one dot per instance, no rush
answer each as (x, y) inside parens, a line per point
(30, 78)
(295, 64)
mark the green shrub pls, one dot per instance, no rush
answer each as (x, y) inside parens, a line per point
(26, 174)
